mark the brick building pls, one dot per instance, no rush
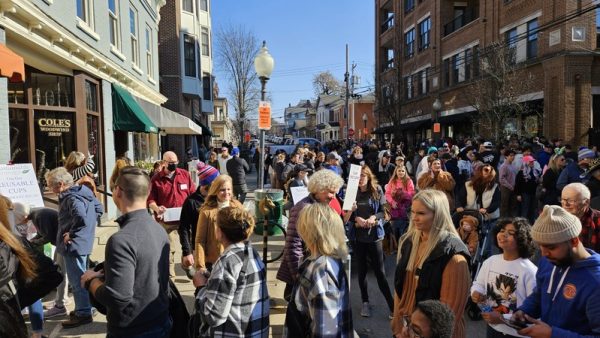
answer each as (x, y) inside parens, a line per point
(186, 79)
(428, 50)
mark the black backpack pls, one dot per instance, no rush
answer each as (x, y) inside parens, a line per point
(48, 277)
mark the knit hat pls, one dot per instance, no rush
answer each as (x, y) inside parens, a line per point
(431, 150)
(235, 151)
(555, 225)
(20, 210)
(470, 220)
(585, 153)
(206, 173)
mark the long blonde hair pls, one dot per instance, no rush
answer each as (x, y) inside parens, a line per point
(322, 230)
(26, 264)
(442, 226)
(211, 198)
(74, 160)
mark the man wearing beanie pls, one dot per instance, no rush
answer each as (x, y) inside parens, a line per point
(574, 171)
(189, 213)
(567, 297)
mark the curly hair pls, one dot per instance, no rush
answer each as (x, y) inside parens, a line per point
(324, 180)
(480, 182)
(440, 316)
(372, 184)
(525, 244)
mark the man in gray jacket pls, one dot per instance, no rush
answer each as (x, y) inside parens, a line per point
(135, 290)
(237, 168)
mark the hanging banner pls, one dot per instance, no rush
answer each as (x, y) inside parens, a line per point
(264, 115)
(19, 183)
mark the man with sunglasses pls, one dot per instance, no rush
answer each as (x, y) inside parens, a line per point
(168, 189)
(575, 198)
(222, 159)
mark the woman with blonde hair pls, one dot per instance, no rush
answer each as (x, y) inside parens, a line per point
(398, 193)
(433, 262)
(78, 165)
(319, 160)
(213, 160)
(325, 297)
(367, 234)
(551, 195)
(119, 164)
(208, 247)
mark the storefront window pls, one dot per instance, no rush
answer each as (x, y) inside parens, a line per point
(145, 147)
(54, 137)
(52, 90)
(91, 96)
(17, 93)
(94, 146)
(19, 136)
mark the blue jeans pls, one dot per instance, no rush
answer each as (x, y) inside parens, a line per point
(400, 226)
(76, 265)
(487, 227)
(528, 207)
(160, 331)
(36, 316)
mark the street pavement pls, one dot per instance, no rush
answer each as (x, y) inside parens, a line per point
(375, 326)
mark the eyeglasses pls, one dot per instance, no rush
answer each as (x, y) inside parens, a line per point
(569, 201)
(411, 329)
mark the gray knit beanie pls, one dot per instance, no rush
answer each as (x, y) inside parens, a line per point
(555, 225)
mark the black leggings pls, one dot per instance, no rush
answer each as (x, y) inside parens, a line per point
(374, 252)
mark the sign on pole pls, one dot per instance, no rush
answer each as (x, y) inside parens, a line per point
(19, 183)
(264, 115)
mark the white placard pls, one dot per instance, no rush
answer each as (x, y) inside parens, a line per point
(352, 186)
(18, 182)
(298, 193)
(172, 214)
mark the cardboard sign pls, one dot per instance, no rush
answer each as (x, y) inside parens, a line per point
(264, 115)
(352, 187)
(19, 183)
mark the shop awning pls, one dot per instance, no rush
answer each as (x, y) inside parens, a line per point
(384, 130)
(127, 113)
(11, 65)
(169, 121)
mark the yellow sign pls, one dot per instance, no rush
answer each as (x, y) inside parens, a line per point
(264, 115)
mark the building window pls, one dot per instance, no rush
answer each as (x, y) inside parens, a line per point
(511, 43)
(468, 63)
(424, 36)
(455, 69)
(91, 96)
(424, 85)
(113, 18)
(207, 87)
(189, 53)
(408, 87)
(388, 21)
(446, 70)
(149, 59)
(409, 44)
(409, 5)
(204, 5)
(389, 59)
(187, 5)
(205, 42)
(597, 27)
(475, 61)
(85, 12)
(135, 46)
(532, 38)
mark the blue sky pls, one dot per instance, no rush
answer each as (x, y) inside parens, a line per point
(304, 37)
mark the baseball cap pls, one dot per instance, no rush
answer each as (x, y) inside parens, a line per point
(331, 156)
(235, 151)
(488, 144)
(302, 167)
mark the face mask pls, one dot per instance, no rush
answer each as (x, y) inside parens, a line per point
(171, 166)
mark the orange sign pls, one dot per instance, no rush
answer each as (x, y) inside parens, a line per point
(264, 115)
(436, 128)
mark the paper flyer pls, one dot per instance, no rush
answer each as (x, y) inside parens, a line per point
(352, 187)
(298, 193)
(172, 215)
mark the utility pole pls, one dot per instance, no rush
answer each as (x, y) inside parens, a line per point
(347, 80)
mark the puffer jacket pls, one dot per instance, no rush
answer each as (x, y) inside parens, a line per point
(293, 251)
(78, 213)
(11, 321)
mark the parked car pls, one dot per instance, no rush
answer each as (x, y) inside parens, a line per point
(294, 143)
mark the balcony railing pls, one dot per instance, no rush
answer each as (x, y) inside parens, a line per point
(387, 24)
(462, 20)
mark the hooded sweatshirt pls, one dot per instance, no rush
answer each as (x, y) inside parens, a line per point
(567, 299)
(78, 214)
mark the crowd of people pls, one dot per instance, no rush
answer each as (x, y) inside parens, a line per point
(511, 230)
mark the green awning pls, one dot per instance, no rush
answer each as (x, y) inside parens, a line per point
(127, 113)
(205, 130)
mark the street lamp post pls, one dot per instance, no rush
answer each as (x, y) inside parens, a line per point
(365, 118)
(263, 64)
(437, 107)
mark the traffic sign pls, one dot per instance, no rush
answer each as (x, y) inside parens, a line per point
(264, 115)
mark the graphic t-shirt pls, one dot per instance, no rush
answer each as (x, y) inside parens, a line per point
(505, 284)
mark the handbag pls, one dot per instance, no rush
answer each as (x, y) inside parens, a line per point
(47, 278)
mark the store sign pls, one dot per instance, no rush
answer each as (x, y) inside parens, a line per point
(19, 183)
(54, 127)
(264, 115)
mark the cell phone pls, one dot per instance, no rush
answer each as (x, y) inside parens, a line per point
(517, 325)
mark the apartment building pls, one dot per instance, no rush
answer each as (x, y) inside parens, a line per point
(221, 125)
(440, 50)
(298, 118)
(186, 78)
(84, 70)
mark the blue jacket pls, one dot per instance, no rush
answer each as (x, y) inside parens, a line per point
(572, 173)
(78, 213)
(575, 311)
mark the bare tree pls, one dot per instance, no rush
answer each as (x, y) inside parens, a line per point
(235, 50)
(496, 94)
(326, 83)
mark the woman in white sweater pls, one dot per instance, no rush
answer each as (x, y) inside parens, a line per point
(505, 280)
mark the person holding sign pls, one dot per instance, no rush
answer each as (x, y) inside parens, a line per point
(368, 234)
